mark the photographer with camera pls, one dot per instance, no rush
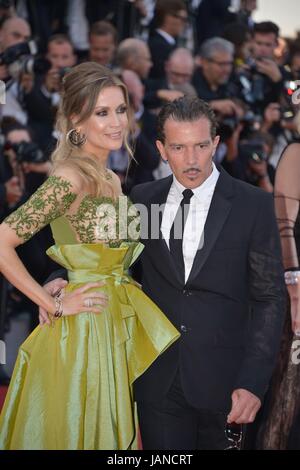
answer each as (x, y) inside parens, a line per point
(248, 151)
(22, 170)
(42, 97)
(257, 151)
(33, 81)
(13, 31)
(14, 34)
(261, 80)
(249, 145)
(212, 78)
(281, 121)
(24, 158)
(25, 169)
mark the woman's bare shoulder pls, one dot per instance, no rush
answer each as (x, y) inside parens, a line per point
(66, 172)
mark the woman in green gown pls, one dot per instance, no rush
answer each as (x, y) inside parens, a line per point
(72, 383)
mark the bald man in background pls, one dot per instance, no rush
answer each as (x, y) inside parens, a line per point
(134, 54)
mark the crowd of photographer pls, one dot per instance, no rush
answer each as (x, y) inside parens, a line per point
(161, 49)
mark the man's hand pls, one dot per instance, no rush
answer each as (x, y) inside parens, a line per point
(52, 288)
(245, 405)
(52, 81)
(13, 190)
(233, 143)
(169, 95)
(269, 68)
(226, 107)
(44, 167)
(260, 168)
(27, 82)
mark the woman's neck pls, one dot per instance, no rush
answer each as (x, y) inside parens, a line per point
(100, 155)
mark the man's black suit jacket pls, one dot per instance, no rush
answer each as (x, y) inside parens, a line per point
(160, 50)
(230, 312)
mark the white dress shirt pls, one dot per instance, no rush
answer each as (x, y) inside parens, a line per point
(167, 37)
(193, 237)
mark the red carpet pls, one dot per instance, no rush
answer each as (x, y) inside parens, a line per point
(3, 391)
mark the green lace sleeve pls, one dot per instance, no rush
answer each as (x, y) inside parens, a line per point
(49, 202)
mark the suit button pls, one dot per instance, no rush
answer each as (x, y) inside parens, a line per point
(183, 328)
(186, 292)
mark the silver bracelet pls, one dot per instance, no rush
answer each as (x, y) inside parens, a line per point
(291, 277)
(58, 306)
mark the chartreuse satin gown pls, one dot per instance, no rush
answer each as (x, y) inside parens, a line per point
(72, 383)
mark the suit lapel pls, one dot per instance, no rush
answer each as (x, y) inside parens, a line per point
(218, 212)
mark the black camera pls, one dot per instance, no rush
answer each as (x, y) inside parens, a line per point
(253, 150)
(252, 84)
(227, 126)
(22, 58)
(62, 71)
(27, 152)
(287, 114)
(250, 120)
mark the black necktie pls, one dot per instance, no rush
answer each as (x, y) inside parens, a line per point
(177, 229)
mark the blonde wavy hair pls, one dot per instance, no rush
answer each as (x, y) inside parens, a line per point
(80, 90)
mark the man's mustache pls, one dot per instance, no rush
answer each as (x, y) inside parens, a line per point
(192, 169)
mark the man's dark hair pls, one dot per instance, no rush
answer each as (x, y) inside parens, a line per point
(10, 125)
(185, 109)
(167, 7)
(104, 28)
(266, 27)
(60, 39)
(237, 33)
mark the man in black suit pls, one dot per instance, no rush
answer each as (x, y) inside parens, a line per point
(221, 285)
(170, 18)
(210, 18)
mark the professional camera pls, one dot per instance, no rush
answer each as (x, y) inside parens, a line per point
(250, 120)
(253, 150)
(287, 114)
(227, 126)
(63, 70)
(27, 152)
(252, 88)
(22, 58)
(252, 84)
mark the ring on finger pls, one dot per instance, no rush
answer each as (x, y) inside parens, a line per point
(88, 303)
